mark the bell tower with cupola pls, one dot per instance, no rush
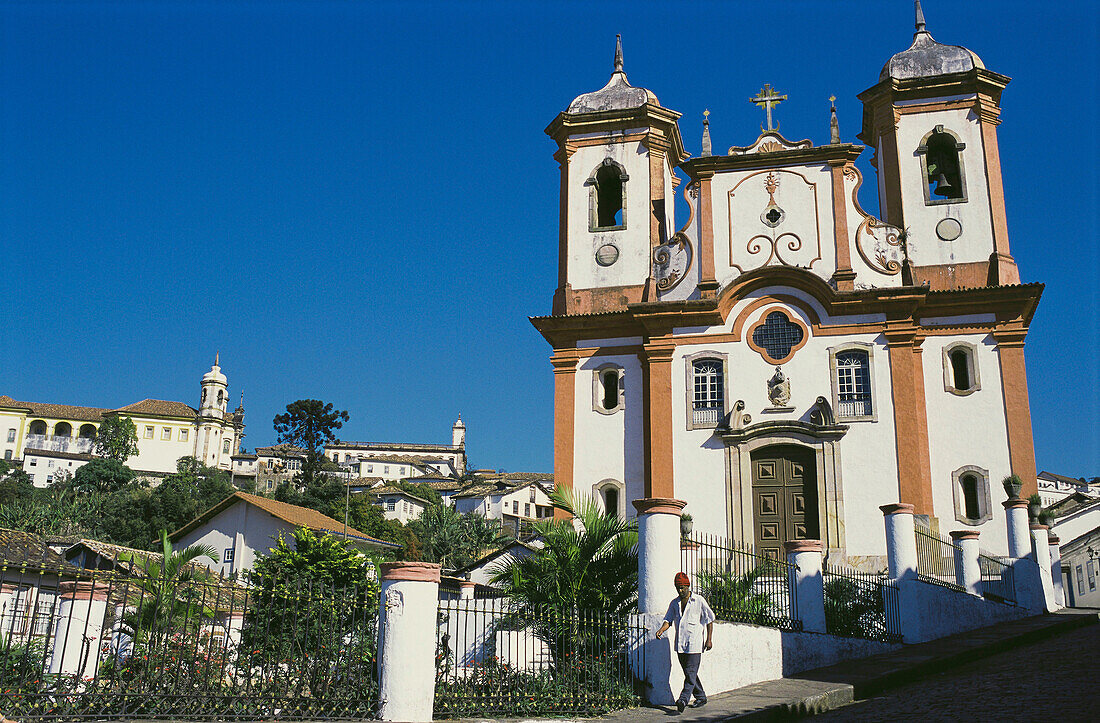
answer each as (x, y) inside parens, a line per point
(932, 121)
(618, 148)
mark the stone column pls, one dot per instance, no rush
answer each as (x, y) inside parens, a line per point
(901, 553)
(968, 570)
(1041, 549)
(658, 552)
(407, 615)
(1019, 544)
(1056, 569)
(78, 635)
(807, 586)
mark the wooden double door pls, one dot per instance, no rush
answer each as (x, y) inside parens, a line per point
(784, 497)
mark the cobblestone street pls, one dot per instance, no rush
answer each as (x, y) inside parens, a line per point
(1050, 680)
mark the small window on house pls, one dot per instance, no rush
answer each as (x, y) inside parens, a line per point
(853, 384)
(1080, 581)
(609, 196)
(225, 447)
(960, 368)
(386, 469)
(391, 505)
(149, 432)
(1091, 567)
(370, 467)
(532, 497)
(708, 395)
(228, 555)
(49, 464)
(221, 397)
(611, 501)
(183, 435)
(943, 167)
(166, 434)
(34, 462)
(7, 454)
(11, 435)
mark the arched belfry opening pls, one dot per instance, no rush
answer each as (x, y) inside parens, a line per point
(608, 196)
(941, 158)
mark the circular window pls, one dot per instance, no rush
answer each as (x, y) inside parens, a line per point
(949, 229)
(607, 254)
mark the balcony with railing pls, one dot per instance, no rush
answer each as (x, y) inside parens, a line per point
(707, 416)
(56, 443)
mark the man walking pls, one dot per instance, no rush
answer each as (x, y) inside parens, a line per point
(690, 613)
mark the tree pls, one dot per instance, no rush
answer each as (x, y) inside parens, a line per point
(105, 475)
(309, 424)
(117, 438)
(453, 539)
(314, 612)
(590, 567)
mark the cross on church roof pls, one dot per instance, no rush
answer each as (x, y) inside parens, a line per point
(768, 99)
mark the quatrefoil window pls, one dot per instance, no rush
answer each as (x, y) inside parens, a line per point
(777, 337)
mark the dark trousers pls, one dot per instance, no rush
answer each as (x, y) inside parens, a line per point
(690, 663)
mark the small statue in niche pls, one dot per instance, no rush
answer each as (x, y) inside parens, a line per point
(779, 388)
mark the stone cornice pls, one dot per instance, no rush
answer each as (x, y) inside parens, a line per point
(842, 153)
(661, 121)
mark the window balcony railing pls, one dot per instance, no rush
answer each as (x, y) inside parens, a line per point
(854, 407)
(705, 415)
(77, 445)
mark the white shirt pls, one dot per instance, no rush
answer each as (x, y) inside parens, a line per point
(690, 623)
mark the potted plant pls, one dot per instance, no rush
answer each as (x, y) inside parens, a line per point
(1046, 517)
(685, 524)
(1034, 505)
(1012, 484)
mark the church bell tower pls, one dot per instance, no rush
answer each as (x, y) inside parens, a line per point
(932, 120)
(617, 148)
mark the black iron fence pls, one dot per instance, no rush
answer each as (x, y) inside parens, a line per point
(494, 658)
(998, 582)
(739, 584)
(861, 604)
(78, 644)
(936, 559)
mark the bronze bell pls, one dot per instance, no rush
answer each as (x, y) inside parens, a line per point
(943, 186)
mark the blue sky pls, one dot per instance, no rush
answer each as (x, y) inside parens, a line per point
(356, 201)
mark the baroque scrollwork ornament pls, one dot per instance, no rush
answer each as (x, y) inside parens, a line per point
(671, 261)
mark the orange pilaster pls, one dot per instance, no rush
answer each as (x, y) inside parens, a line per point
(565, 383)
(657, 424)
(910, 421)
(1021, 444)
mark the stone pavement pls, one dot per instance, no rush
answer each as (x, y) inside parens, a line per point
(1009, 671)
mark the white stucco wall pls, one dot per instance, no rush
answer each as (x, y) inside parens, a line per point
(246, 529)
(967, 430)
(632, 267)
(42, 468)
(975, 244)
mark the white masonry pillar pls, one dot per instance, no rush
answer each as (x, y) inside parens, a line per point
(1056, 569)
(407, 615)
(807, 586)
(1040, 546)
(968, 570)
(658, 552)
(1019, 542)
(77, 637)
(466, 589)
(901, 554)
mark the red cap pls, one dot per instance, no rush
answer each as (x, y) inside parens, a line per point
(681, 579)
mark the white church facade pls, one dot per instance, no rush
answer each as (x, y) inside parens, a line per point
(782, 360)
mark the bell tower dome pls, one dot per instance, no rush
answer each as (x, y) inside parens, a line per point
(618, 148)
(932, 120)
(215, 392)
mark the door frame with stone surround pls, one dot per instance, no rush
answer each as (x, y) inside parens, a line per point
(822, 440)
(784, 497)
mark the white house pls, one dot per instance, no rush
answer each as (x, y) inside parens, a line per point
(243, 525)
(448, 460)
(782, 360)
(481, 570)
(43, 465)
(1054, 488)
(397, 504)
(517, 506)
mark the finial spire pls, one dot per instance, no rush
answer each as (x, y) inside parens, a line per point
(834, 124)
(618, 53)
(920, 16)
(707, 150)
(216, 355)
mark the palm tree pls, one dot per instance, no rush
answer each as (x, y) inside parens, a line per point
(588, 563)
(163, 599)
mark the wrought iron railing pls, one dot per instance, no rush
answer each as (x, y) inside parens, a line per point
(861, 604)
(496, 658)
(936, 559)
(998, 581)
(706, 415)
(739, 584)
(108, 645)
